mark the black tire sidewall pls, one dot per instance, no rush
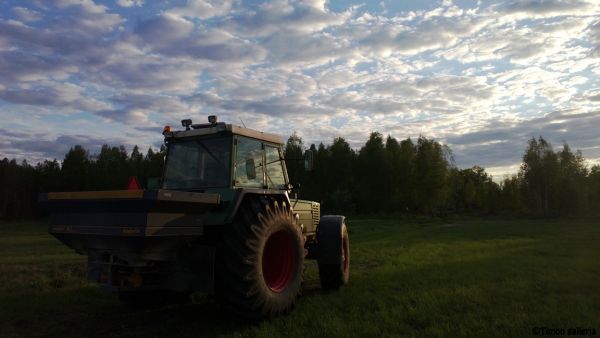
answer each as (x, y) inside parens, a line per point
(333, 276)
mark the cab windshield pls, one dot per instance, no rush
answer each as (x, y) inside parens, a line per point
(198, 164)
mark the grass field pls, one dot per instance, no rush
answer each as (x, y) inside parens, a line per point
(467, 278)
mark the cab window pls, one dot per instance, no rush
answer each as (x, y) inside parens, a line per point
(249, 163)
(275, 176)
(198, 164)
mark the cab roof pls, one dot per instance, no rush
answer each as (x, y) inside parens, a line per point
(221, 127)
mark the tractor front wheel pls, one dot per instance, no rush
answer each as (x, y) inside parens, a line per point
(334, 252)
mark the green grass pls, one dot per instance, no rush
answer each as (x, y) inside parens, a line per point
(467, 279)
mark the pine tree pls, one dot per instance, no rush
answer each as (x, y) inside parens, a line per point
(75, 169)
(431, 170)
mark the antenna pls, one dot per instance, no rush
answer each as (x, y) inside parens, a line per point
(242, 122)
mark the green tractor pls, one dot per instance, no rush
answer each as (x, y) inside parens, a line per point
(220, 221)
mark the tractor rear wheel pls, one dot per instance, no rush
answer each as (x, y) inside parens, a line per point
(261, 261)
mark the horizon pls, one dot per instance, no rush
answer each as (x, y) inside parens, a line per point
(483, 78)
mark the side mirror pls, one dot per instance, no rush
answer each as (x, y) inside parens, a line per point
(250, 169)
(294, 189)
(308, 160)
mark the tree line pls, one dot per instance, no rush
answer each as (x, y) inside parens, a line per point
(110, 169)
(384, 176)
(419, 177)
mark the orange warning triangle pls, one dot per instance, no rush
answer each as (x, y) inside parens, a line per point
(133, 184)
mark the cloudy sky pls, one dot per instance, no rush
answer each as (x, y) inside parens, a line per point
(481, 76)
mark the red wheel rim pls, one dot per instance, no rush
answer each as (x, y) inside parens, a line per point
(279, 261)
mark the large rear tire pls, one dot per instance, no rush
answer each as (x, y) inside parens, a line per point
(261, 261)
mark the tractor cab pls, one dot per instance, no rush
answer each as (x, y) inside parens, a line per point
(216, 155)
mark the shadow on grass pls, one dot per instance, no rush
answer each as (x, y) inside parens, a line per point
(88, 312)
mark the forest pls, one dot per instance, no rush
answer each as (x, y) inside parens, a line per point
(385, 176)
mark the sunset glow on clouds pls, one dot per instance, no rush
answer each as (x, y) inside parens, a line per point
(481, 76)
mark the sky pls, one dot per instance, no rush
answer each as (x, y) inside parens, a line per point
(482, 77)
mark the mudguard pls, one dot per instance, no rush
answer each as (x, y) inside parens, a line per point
(241, 193)
(329, 237)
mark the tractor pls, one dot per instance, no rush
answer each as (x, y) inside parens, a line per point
(221, 220)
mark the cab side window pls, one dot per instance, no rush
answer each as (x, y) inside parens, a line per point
(249, 163)
(275, 176)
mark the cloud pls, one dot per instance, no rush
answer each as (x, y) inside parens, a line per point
(483, 78)
(26, 14)
(56, 95)
(277, 16)
(130, 3)
(593, 96)
(553, 33)
(410, 96)
(39, 147)
(201, 9)
(503, 144)
(37, 54)
(312, 49)
(126, 115)
(174, 36)
(18, 68)
(544, 9)
(164, 28)
(152, 75)
(85, 15)
(273, 106)
(413, 34)
(136, 109)
(594, 38)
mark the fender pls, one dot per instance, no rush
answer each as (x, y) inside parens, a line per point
(329, 237)
(242, 193)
